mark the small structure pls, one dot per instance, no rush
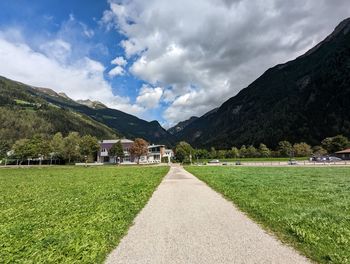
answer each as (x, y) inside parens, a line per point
(344, 154)
(156, 153)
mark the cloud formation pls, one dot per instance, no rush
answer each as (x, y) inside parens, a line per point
(52, 66)
(149, 97)
(203, 52)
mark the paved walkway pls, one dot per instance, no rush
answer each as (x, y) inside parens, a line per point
(187, 222)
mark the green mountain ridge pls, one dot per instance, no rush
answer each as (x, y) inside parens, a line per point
(306, 99)
(27, 110)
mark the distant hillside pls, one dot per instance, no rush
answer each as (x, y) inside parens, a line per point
(306, 99)
(26, 110)
(23, 113)
(180, 126)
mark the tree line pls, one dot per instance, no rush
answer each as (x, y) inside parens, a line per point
(69, 149)
(72, 148)
(328, 146)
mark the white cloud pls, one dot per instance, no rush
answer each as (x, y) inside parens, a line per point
(57, 49)
(149, 97)
(82, 79)
(119, 61)
(205, 51)
(116, 71)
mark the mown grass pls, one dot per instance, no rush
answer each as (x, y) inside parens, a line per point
(270, 159)
(70, 214)
(306, 207)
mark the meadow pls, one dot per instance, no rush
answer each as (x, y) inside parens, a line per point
(308, 208)
(269, 159)
(70, 214)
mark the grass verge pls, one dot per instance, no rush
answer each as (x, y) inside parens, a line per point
(306, 207)
(70, 214)
(271, 159)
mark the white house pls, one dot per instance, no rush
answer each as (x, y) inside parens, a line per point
(154, 155)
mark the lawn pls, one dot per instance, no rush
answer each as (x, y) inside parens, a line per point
(270, 159)
(308, 208)
(70, 214)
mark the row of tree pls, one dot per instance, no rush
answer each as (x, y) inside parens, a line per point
(329, 145)
(71, 148)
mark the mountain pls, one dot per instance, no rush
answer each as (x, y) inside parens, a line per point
(26, 110)
(92, 104)
(181, 125)
(306, 99)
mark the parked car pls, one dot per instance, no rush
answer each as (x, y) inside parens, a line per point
(214, 161)
(334, 159)
(326, 159)
(292, 162)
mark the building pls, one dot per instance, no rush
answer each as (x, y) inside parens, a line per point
(344, 154)
(156, 153)
(105, 145)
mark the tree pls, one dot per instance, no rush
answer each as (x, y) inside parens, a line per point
(57, 145)
(285, 149)
(40, 146)
(235, 152)
(251, 152)
(264, 151)
(221, 154)
(88, 146)
(22, 149)
(319, 151)
(243, 151)
(36, 147)
(302, 149)
(4, 148)
(117, 150)
(201, 153)
(213, 153)
(139, 148)
(183, 151)
(334, 144)
(71, 146)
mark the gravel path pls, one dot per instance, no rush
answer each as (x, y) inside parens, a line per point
(187, 222)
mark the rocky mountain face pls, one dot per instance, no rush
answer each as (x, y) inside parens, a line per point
(181, 125)
(306, 99)
(26, 110)
(92, 104)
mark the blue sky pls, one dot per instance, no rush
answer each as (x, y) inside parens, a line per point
(41, 21)
(157, 59)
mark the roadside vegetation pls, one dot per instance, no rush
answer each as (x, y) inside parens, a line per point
(285, 150)
(70, 214)
(306, 207)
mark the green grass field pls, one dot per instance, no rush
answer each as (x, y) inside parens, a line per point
(251, 159)
(306, 207)
(70, 214)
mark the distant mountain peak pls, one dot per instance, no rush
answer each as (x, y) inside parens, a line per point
(62, 94)
(47, 91)
(92, 104)
(51, 92)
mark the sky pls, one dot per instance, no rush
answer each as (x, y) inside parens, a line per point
(157, 59)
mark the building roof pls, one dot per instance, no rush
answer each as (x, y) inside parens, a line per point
(113, 141)
(155, 146)
(345, 151)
